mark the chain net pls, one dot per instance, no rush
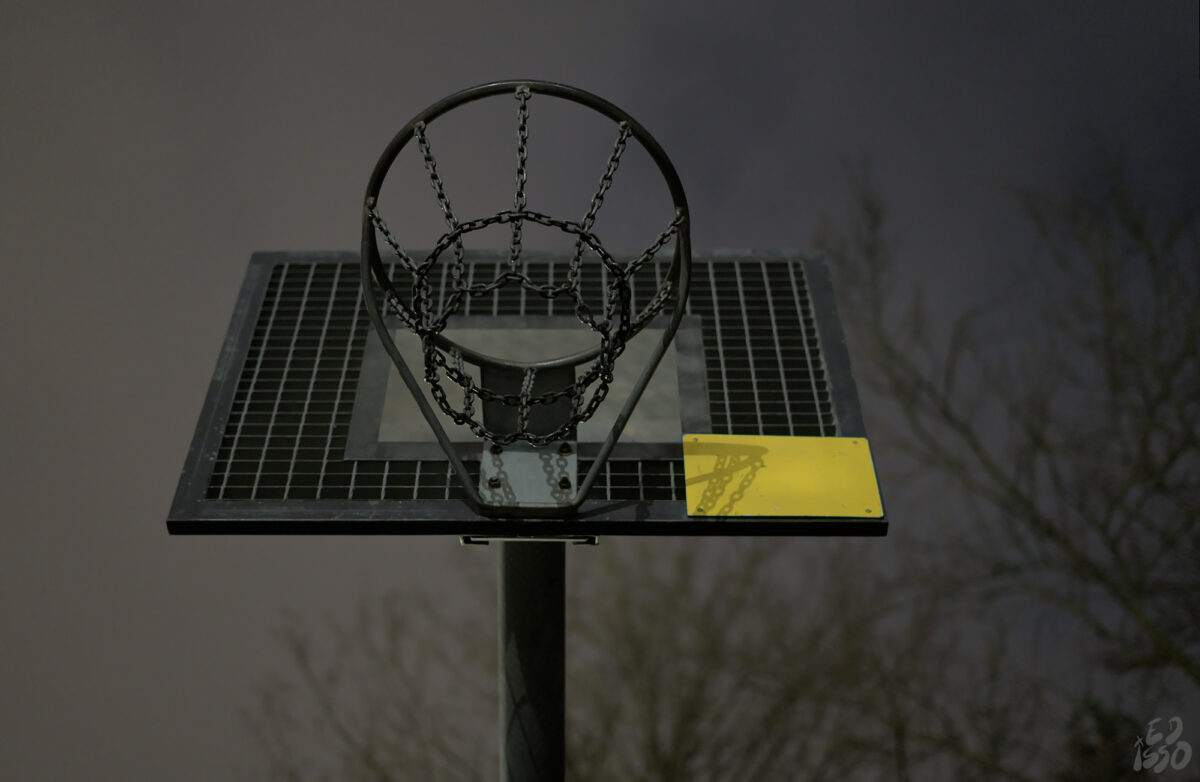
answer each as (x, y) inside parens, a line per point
(615, 325)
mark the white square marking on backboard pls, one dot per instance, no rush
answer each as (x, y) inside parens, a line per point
(656, 418)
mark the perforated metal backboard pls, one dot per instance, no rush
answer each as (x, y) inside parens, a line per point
(307, 429)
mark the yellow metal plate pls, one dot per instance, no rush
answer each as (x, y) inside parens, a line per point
(755, 475)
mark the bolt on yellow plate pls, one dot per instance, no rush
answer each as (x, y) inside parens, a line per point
(758, 475)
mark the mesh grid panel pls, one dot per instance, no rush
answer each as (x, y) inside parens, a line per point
(286, 432)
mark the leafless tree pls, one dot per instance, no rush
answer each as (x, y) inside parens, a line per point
(393, 694)
(686, 661)
(726, 671)
(1076, 444)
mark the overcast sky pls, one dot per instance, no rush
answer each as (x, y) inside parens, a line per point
(147, 149)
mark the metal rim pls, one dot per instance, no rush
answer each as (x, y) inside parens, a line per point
(371, 266)
(372, 263)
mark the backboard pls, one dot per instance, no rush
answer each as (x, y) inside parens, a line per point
(751, 424)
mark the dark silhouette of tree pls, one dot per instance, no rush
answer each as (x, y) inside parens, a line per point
(1086, 491)
(687, 660)
(393, 694)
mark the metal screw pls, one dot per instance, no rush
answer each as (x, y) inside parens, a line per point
(565, 449)
(564, 482)
(497, 449)
(493, 482)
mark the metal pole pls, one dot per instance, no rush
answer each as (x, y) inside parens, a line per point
(532, 610)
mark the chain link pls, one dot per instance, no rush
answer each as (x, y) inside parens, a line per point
(524, 406)
(606, 180)
(409, 264)
(522, 95)
(468, 394)
(439, 189)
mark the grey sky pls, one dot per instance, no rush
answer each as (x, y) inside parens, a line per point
(147, 149)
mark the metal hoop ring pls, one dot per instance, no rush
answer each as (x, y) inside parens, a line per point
(372, 266)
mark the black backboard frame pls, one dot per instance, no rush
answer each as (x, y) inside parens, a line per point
(195, 512)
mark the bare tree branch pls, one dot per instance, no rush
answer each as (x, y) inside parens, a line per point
(1097, 478)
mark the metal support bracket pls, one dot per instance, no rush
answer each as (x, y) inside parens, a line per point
(520, 474)
(483, 540)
